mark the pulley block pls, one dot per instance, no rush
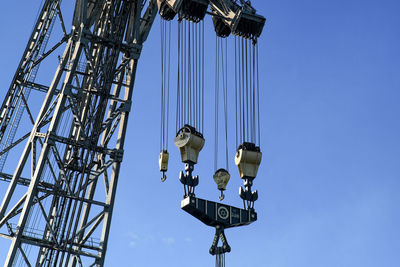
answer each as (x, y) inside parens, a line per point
(221, 178)
(190, 142)
(247, 24)
(221, 27)
(241, 20)
(165, 10)
(192, 10)
(163, 163)
(219, 235)
(248, 159)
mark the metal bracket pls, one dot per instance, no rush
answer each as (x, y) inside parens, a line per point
(219, 234)
(126, 106)
(117, 155)
(247, 195)
(188, 180)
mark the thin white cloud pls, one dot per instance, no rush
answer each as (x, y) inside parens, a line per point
(135, 240)
(133, 236)
(168, 240)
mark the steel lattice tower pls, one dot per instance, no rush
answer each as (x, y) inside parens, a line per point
(77, 140)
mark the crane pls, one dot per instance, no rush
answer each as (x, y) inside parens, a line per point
(76, 141)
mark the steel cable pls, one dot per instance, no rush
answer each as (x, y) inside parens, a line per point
(258, 97)
(225, 92)
(221, 66)
(247, 106)
(165, 81)
(162, 31)
(190, 89)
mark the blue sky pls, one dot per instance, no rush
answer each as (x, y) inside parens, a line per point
(329, 180)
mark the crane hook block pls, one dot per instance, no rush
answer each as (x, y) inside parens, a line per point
(163, 163)
(221, 178)
(248, 159)
(221, 28)
(190, 142)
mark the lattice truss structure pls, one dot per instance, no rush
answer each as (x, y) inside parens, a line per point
(62, 215)
(58, 205)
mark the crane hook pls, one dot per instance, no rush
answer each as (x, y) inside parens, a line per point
(221, 178)
(163, 163)
(164, 177)
(222, 196)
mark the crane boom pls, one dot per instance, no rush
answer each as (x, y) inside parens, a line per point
(77, 140)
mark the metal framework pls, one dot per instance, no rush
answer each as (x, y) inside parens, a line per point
(77, 139)
(59, 202)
